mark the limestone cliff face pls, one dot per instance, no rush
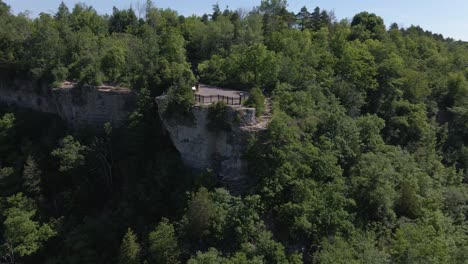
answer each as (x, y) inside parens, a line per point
(84, 106)
(218, 149)
(93, 106)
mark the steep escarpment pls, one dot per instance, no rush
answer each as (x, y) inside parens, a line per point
(78, 106)
(220, 149)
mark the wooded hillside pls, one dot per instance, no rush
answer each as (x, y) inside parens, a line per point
(365, 159)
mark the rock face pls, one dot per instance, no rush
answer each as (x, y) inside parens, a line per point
(84, 106)
(221, 150)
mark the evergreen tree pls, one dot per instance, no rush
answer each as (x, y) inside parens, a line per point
(63, 13)
(216, 12)
(303, 18)
(316, 19)
(129, 249)
(31, 177)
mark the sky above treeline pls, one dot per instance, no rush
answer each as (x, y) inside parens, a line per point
(447, 17)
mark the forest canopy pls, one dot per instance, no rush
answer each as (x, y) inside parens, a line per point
(365, 159)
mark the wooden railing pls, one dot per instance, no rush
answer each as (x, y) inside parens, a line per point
(209, 99)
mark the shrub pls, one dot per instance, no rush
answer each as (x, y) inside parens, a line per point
(217, 116)
(257, 100)
(180, 100)
(91, 76)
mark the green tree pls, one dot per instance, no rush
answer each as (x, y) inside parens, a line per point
(210, 257)
(31, 177)
(218, 118)
(91, 73)
(420, 243)
(356, 65)
(7, 122)
(63, 13)
(253, 31)
(163, 246)
(20, 230)
(140, 128)
(415, 86)
(259, 68)
(218, 36)
(408, 124)
(122, 20)
(47, 48)
(200, 212)
(360, 248)
(296, 56)
(70, 153)
(83, 16)
(257, 100)
(180, 99)
(7, 125)
(247, 66)
(303, 18)
(113, 63)
(214, 70)
(390, 183)
(6, 174)
(129, 249)
(275, 15)
(216, 11)
(315, 19)
(370, 127)
(4, 9)
(367, 26)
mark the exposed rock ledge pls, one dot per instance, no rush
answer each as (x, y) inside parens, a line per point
(84, 106)
(220, 150)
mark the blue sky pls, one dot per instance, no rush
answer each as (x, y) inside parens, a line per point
(448, 17)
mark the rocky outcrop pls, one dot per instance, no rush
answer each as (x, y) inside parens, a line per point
(94, 105)
(221, 150)
(83, 106)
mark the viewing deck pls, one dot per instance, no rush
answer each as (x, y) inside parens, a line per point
(208, 94)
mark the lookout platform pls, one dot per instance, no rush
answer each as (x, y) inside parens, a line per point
(208, 94)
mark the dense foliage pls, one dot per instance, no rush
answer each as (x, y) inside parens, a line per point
(256, 100)
(364, 161)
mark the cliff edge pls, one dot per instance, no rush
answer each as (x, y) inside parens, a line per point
(222, 150)
(78, 106)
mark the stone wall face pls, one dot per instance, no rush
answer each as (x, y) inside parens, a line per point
(218, 149)
(27, 95)
(85, 106)
(93, 106)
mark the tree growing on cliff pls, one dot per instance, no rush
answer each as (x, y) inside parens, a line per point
(217, 116)
(180, 99)
(257, 100)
